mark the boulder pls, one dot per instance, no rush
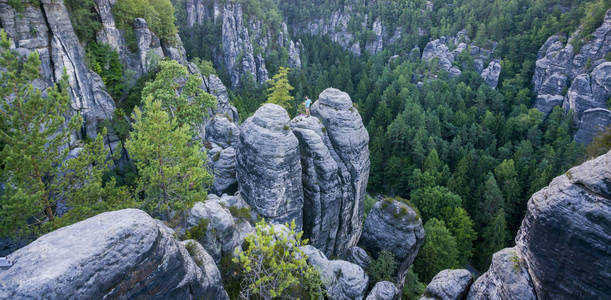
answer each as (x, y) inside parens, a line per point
(268, 166)
(342, 280)
(491, 73)
(593, 122)
(213, 282)
(120, 254)
(448, 285)
(383, 290)
(394, 226)
(565, 234)
(507, 278)
(222, 163)
(221, 235)
(359, 256)
(348, 144)
(222, 131)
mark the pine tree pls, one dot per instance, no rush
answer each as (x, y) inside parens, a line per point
(180, 94)
(438, 252)
(490, 202)
(461, 227)
(494, 237)
(34, 134)
(280, 90)
(172, 170)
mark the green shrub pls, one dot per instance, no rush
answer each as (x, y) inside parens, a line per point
(198, 231)
(216, 156)
(191, 248)
(84, 19)
(242, 213)
(106, 62)
(159, 14)
(205, 66)
(383, 268)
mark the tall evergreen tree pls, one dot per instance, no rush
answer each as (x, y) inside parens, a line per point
(280, 90)
(439, 251)
(171, 168)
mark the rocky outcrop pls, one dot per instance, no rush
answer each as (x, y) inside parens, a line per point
(577, 80)
(591, 124)
(383, 290)
(47, 30)
(213, 282)
(342, 280)
(120, 254)
(564, 237)
(394, 226)
(268, 166)
(448, 285)
(359, 256)
(347, 144)
(507, 279)
(440, 49)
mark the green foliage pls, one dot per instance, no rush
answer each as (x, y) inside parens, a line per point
(105, 61)
(206, 68)
(494, 236)
(171, 167)
(34, 133)
(36, 171)
(273, 265)
(179, 94)
(159, 15)
(280, 90)
(413, 288)
(242, 213)
(382, 268)
(601, 144)
(461, 226)
(192, 249)
(435, 202)
(198, 231)
(439, 251)
(84, 19)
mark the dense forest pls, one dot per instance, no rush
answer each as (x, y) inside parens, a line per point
(467, 156)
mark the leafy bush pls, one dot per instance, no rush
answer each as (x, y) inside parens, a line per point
(159, 14)
(274, 266)
(198, 231)
(84, 19)
(105, 61)
(383, 268)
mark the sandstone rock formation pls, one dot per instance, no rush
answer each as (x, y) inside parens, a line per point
(383, 290)
(440, 49)
(213, 280)
(347, 144)
(565, 235)
(507, 278)
(359, 256)
(120, 254)
(577, 80)
(394, 226)
(448, 285)
(268, 166)
(342, 280)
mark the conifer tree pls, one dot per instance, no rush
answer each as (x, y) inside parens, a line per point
(438, 252)
(179, 93)
(171, 169)
(494, 237)
(280, 90)
(34, 134)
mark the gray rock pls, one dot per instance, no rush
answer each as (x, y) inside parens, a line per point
(578, 81)
(359, 256)
(348, 145)
(295, 54)
(214, 86)
(491, 73)
(506, 279)
(377, 44)
(222, 131)
(342, 280)
(149, 46)
(564, 236)
(593, 122)
(223, 165)
(449, 285)
(213, 282)
(222, 234)
(383, 290)
(394, 226)
(268, 166)
(106, 256)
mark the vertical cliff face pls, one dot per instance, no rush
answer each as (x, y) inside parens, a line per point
(577, 80)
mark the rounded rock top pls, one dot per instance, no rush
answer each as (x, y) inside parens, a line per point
(271, 116)
(336, 99)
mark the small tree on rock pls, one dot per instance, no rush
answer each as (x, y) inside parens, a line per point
(280, 90)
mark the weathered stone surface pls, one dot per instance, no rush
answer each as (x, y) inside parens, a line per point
(213, 283)
(448, 285)
(214, 86)
(222, 131)
(342, 280)
(394, 226)
(222, 162)
(565, 235)
(348, 145)
(578, 81)
(268, 166)
(222, 235)
(507, 278)
(383, 290)
(359, 256)
(120, 254)
(491, 73)
(593, 122)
